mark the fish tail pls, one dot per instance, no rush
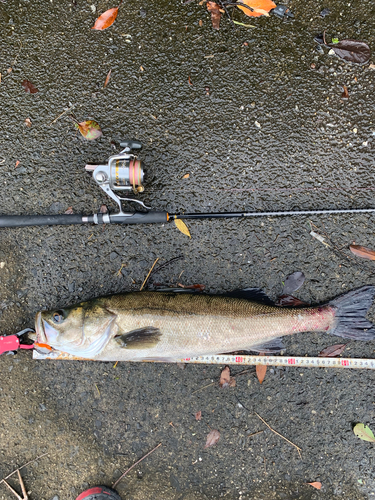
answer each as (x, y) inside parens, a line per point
(350, 314)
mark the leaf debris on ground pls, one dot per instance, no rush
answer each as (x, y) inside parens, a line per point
(89, 129)
(181, 226)
(316, 484)
(28, 122)
(107, 79)
(212, 438)
(29, 87)
(364, 432)
(257, 7)
(106, 20)
(333, 350)
(216, 13)
(225, 379)
(198, 415)
(364, 252)
(293, 282)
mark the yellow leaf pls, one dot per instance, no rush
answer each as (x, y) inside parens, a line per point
(260, 7)
(181, 226)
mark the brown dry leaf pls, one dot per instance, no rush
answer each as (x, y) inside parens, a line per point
(225, 379)
(69, 211)
(212, 438)
(316, 484)
(332, 350)
(106, 19)
(198, 415)
(190, 81)
(29, 87)
(261, 372)
(103, 209)
(181, 226)
(186, 176)
(260, 7)
(107, 79)
(215, 14)
(345, 94)
(363, 252)
(28, 122)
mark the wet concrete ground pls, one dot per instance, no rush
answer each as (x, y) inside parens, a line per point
(312, 150)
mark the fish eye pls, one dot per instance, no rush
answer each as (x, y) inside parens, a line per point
(58, 316)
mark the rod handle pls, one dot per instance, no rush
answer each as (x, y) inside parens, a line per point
(39, 220)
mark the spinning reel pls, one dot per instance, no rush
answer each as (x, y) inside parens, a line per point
(123, 174)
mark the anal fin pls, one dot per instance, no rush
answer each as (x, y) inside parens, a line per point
(142, 338)
(271, 346)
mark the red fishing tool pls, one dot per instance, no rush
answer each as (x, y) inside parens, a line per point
(12, 342)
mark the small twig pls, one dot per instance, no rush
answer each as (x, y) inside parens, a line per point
(136, 463)
(273, 430)
(324, 37)
(222, 4)
(23, 466)
(62, 114)
(150, 271)
(166, 264)
(255, 433)
(201, 388)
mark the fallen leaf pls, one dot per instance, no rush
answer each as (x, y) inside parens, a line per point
(107, 79)
(181, 226)
(332, 350)
(106, 19)
(103, 209)
(69, 211)
(200, 22)
(261, 370)
(29, 87)
(352, 51)
(193, 287)
(215, 14)
(190, 81)
(293, 282)
(225, 379)
(212, 438)
(186, 176)
(363, 252)
(90, 129)
(17, 163)
(316, 484)
(260, 7)
(198, 415)
(364, 433)
(345, 94)
(289, 301)
(28, 122)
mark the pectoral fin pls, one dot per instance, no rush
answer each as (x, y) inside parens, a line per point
(142, 338)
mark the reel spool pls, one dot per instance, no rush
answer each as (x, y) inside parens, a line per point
(123, 173)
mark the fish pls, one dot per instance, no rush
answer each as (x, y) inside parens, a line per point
(164, 326)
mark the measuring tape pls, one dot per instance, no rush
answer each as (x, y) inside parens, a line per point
(305, 362)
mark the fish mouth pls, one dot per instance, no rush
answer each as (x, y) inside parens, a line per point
(39, 330)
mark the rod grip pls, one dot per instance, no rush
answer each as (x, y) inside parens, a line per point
(39, 220)
(152, 217)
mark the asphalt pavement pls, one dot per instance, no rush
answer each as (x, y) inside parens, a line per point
(255, 116)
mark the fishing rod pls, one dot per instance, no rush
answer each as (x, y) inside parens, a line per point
(124, 175)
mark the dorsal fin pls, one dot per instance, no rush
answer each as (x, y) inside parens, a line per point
(255, 294)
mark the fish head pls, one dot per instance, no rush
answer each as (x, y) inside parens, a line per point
(81, 330)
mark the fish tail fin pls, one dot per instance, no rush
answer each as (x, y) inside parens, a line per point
(350, 314)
